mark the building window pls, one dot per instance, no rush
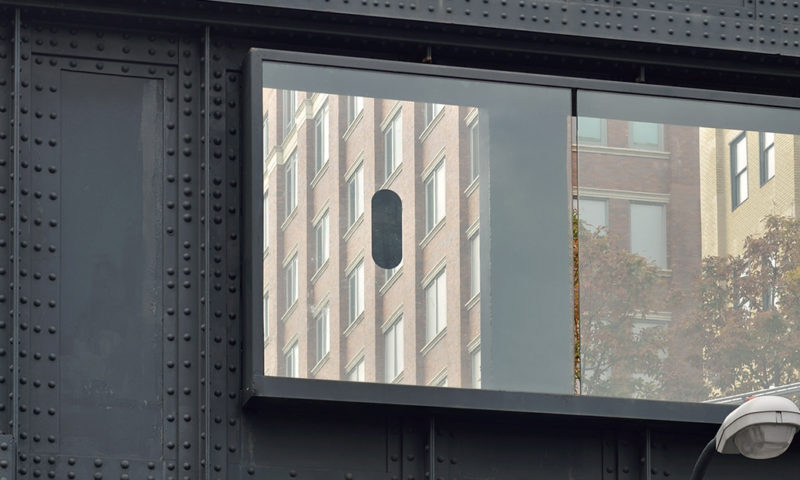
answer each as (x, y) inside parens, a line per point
(475, 264)
(291, 183)
(354, 107)
(434, 197)
(321, 138)
(292, 358)
(593, 213)
(265, 138)
(289, 107)
(355, 284)
(266, 222)
(393, 341)
(322, 329)
(435, 306)
(322, 240)
(431, 111)
(357, 373)
(766, 148)
(476, 368)
(591, 130)
(474, 151)
(645, 135)
(355, 195)
(739, 170)
(393, 145)
(391, 272)
(290, 274)
(265, 315)
(649, 232)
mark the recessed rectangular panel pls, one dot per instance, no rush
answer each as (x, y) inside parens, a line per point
(111, 263)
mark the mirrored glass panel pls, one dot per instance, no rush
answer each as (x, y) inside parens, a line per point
(686, 217)
(415, 312)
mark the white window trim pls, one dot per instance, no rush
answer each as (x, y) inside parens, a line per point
(433, 272)
(434, 121)
(631, 196)
(438, 377)
(433, 341)
(387, 119)
(394, 317)
(354, 361)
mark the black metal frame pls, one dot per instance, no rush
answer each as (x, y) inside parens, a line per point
(259, 388)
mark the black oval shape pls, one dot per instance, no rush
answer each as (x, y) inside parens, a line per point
(387, 229)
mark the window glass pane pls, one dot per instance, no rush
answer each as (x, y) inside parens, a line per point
(475, 264)
(593, 213)
(648, 233)
(645, 134)
(474, 149)
(687, 295)
(355, 132)
(591, 130)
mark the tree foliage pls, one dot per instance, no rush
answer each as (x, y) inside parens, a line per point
(620, 352)
(735, 331)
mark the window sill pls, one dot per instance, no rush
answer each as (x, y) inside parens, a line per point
(429, 127)
(289, 219)
(621, 151)
(434, 341)
(352, 326)
(352, 228)
(429, 236)
(398, 378)
(320, 363)
(472, 186)
(320, 271)
(476, 299)
(289, 311)
(392, 177)
(391, 281)
(351, 128)
(320, 173)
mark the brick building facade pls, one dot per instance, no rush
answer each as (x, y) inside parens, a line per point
(325, 157)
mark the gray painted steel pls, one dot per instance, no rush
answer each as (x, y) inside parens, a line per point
(764, 26)
(135, 111)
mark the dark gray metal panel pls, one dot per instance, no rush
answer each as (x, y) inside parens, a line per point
(223, 269)
(110, 239)
(6, 221)
(739, 25)
(478, 449)
(674, 453)
(134, 373)
(226, 97)
(350, 443)
(188, 234)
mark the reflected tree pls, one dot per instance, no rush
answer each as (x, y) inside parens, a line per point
(750, 310)
(621, 348)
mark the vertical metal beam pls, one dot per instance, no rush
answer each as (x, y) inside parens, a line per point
(206, 168)
(16, 278)
(432, 448)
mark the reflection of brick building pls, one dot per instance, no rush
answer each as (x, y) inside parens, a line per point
(744, 176)
(331, 313)
(641, 182)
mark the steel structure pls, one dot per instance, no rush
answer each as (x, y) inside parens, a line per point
(91, 390)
